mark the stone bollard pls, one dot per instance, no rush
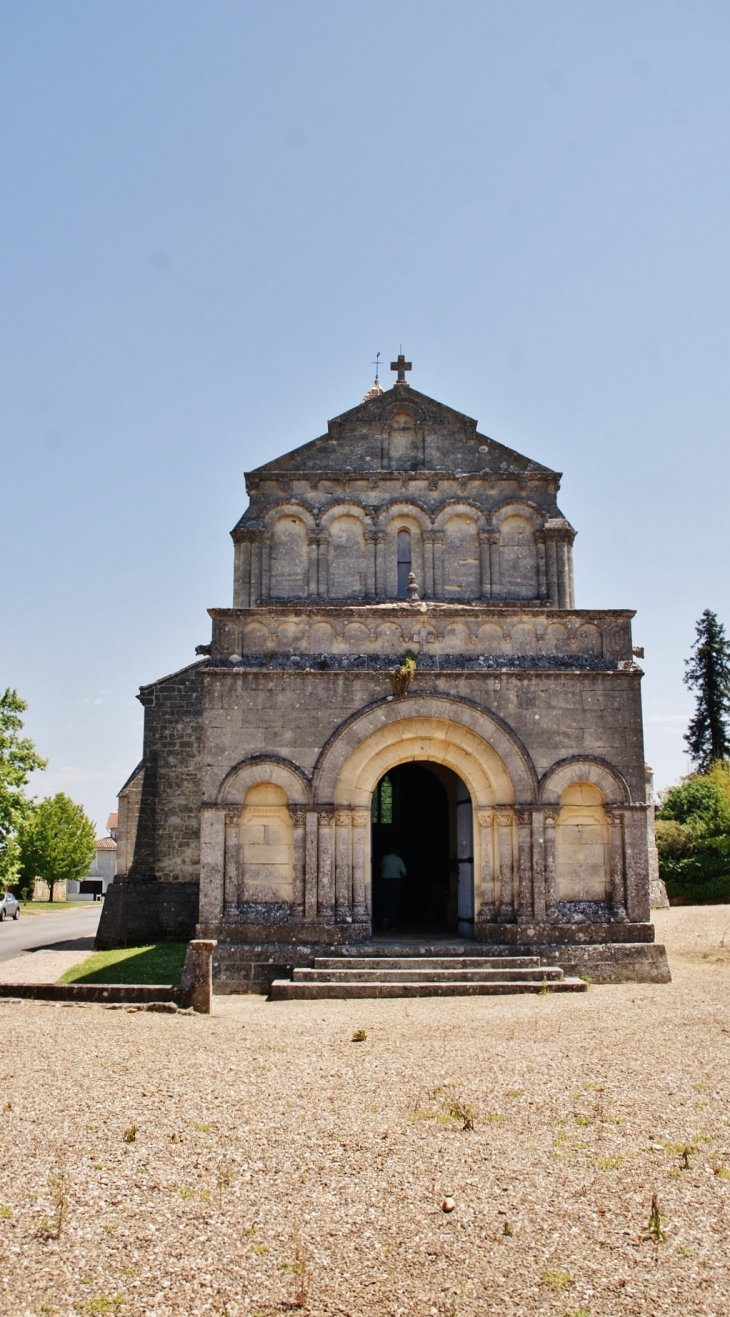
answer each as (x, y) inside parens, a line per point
(202, 995)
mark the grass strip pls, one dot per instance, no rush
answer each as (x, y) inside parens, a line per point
(160, 962)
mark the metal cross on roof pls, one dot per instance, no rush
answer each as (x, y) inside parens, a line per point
(401, 365)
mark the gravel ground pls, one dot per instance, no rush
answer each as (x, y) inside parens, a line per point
(40, 966)
(196, 1160)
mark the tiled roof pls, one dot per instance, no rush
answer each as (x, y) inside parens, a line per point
(105, 844)
(112, 821)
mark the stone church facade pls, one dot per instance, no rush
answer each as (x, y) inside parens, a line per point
(280, 765)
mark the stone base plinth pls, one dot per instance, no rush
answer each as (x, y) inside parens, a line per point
(251, 967)
(574, 934)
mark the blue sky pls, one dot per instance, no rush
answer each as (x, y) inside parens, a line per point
(214, 214)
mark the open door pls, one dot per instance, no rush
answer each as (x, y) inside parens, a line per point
(465, 860)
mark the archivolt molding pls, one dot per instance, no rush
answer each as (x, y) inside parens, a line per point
(345, 507)
(518, 507)
(584, 768)
(263, 768)
(288, 508)
(488, 756)
(461, 507)
(404, 507)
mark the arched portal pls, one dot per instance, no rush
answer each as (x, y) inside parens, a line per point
(422, 852)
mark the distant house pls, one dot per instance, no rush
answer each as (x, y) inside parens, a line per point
(103, 866)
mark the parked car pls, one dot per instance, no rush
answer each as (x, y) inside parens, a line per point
(9, 906)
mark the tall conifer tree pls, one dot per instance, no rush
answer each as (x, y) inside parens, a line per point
(708, 672)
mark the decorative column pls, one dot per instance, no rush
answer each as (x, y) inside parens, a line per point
(428, 585)
(495, 575)
(616, 863)
(310, 869)
(551, 890)
(323, 565)
(552, 570)
(242, 574)
(538, 865)
(312, 564)
(371, 539)
(571, 578)
(542, 586)
(563, 574)
(232, 865)
(485, 563)
(299, 820)
(325, 868)
(438, 564)
(486, 904)
(360, 885)
(343, 866)
(525, 909)
(381, 584)
(212, 860)
(256, 570)
(506, 864)
(266, 565)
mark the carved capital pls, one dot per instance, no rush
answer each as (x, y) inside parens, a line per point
(361, 818)
(298, 817)
(524, 816)
(485, 818)
(551, 818)
(342, 818)
(325, 816)
(504, 816)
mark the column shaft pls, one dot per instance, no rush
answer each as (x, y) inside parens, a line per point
(325, 874)
(360, 885)
(299, 819)
(310, 880)
(343, 866)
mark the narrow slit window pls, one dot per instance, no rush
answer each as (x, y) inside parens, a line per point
(404, 562)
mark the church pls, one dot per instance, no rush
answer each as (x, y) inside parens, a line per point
(403, 671)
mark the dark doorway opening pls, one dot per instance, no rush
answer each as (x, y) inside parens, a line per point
(422, 811)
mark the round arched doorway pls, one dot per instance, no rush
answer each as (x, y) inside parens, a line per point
(422, 852)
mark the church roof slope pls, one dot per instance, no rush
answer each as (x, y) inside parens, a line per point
(445, 440)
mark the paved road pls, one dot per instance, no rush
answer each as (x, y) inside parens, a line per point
(33, 931)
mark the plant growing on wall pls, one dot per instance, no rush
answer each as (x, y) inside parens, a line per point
(402, 676)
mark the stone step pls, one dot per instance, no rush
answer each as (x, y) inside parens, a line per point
(315, 990)
(419, 974)
(427, 962)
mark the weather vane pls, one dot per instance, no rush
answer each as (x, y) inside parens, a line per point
(376, 364)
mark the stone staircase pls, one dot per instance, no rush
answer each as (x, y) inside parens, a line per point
(422, 976)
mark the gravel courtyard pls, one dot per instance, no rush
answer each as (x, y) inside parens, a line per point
(261, 1159)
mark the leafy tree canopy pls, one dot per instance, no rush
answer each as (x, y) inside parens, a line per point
(57, 841)
(701, 801)
(18, 759)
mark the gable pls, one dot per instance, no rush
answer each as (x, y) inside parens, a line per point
(401, 429)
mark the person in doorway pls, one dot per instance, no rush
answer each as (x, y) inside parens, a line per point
(392, 873)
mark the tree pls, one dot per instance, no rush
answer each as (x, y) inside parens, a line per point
(57, 841)
(708, 672)
(18, 759)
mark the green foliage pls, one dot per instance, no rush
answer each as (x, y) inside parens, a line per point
(708, 672)
(18, 759)
(161, 963)
(402, 676)
(57, 841)
(693, 836)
